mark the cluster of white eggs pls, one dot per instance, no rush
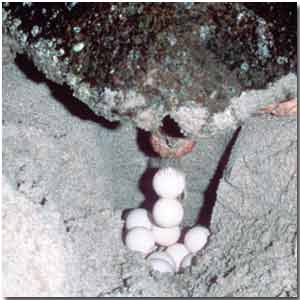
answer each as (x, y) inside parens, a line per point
(156, 235)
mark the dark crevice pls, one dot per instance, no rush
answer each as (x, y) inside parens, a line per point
(63, 94)
(210, 195)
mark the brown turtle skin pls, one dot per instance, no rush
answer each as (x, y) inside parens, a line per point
(183, 146)
(204, 53)
(171, 147)
(141, 62)
(284, 108)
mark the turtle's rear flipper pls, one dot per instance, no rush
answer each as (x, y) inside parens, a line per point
(284, 108)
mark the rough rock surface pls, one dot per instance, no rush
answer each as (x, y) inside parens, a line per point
(73, 174)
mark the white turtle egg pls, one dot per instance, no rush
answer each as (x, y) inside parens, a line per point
(167, 212)
(177, 251)
(138, 218)
(196, 238)
(168, 182)
(162, 256)
(161, 266)
(166, 236)
(186, 261)
(140, 239)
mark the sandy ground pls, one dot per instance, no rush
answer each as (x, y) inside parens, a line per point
(68, 177)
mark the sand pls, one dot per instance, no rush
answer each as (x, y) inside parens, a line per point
(69, 176)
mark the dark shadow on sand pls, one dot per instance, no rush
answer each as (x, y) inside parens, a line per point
(145, 185)
(62, 94)
(210, 195)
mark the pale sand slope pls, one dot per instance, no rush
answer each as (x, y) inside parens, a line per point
(69, 179)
